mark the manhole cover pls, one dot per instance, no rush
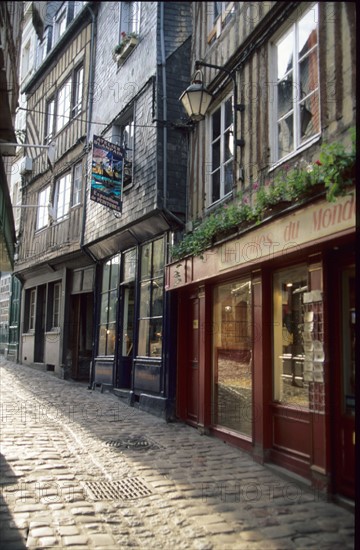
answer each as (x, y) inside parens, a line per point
(126, 489)
(136, 443)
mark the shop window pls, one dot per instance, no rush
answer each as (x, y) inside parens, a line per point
(232, 356)
(43, 206)
(151, 299)
(128, 300)
(221, 151)
(296, 112)
(290, 384)
(108, 307)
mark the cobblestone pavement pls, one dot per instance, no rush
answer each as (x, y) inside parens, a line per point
(80, 470)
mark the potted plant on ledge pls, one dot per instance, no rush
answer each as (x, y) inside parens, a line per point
(126, 45)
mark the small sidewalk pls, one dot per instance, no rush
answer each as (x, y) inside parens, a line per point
(80, 469)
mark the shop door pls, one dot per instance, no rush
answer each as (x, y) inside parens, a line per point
(81, 335)
(192, 401)
(344, 436)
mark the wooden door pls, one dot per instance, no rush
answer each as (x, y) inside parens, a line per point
(192, 367)
(344, 327)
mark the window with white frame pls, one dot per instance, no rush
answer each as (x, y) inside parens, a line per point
(56, 305)
(221, 151)
(32, 303)
(60, 23)
(77, 184)
(123, 135)
(44, 46)
(42, 209)
(50, 120)
(62, 196)
(78, 90)
(296, 118)
(218, 16)
(130, 17)
(63, 105)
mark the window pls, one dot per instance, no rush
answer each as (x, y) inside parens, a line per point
(78, 91)
(44, 46)
(232, 356)
(218, 16)
(151, 299)
(77, 184)
(290, 385)
(297, 106)
(221, 131)
(63, 105)
(130, 17)
(123, 135)
(62, 196)
(56, 306)
(49, 120)
(128, 300)
(32, 303)
(42, 210)
(60, 24)
(108, 308)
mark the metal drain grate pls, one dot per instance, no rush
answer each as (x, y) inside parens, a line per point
(135, 443)
(126, 489)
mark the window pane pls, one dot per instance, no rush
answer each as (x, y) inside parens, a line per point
(112, 305)
(286, 136)
(111, 338)
(143, 344)
(308, 31)
(228, 112)
(115, 271)
(228, 145)
(104, 308)
(228, 169)
(216, 126)
(155, 337)
(130, 265)
(232, 353)
(215, 178)
(106, 277)
(285, 55)
(102, 340)
(310, 117)
(309, 79)
(285, 95)
(157, 298)
(289, 384)
(145, 299)
(158, 259)
(216, 155)
(128, 319)
(146, 261)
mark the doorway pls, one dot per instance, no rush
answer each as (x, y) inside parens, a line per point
(192, 363)
(81, 335)
(40, 324)
(344, 330)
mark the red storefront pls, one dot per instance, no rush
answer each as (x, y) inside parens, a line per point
(266, 341)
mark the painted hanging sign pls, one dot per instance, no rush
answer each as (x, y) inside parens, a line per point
(107, 173)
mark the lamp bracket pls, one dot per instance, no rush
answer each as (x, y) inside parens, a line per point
(239, 107)
(240, 142)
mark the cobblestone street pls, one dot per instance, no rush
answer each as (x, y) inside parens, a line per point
(80, 469)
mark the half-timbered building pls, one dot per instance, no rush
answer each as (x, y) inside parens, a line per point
(266, 314)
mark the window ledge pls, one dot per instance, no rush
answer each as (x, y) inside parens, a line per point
(293, 154)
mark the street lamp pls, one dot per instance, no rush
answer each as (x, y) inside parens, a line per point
(196, 98)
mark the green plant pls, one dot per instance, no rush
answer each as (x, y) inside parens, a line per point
(338, 167)
(125, 39)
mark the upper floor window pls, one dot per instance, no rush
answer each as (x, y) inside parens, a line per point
(50, 120)
(60, 23)
(78, 90)
(218, 15)
(123, 135)
(130, 17)
(62, 196)
(42, 209)
(44, 46)
(77, 184)
(221, 151)
(296, 116)
(63, 105)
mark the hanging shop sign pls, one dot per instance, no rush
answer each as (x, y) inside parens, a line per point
(107, 173)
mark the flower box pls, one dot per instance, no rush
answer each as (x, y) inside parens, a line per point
(127, 47)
